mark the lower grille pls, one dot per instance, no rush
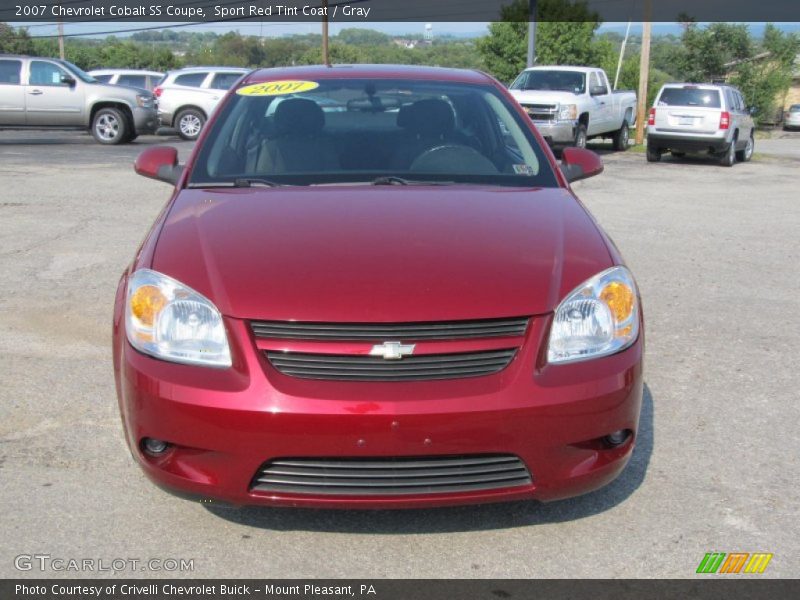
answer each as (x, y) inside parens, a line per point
(391, 476)
(374, 368)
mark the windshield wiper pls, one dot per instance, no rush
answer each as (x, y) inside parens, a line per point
(251, 181)
(395, 180)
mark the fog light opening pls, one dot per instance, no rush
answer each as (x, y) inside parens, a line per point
(617, 438)
(154, 447)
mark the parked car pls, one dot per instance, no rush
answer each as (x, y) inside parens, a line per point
(385, 308)
(708, 118)
(145, 80)
(792, 119)
(187, 97)
(571, 105)
(46, 92)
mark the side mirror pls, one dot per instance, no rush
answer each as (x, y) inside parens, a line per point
(161, 163)
(598, 90)
(579, 163)
(66, 79)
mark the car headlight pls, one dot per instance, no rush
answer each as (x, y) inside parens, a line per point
(144, 100)
(568, 112)
(598, 318)
(169, 320)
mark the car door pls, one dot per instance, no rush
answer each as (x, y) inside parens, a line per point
(602, 108)
(12, 92)
(135, 80)
(48, 100)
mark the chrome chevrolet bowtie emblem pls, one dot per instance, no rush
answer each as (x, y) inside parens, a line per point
(392, 350)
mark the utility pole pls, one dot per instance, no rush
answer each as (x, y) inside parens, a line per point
(61, 39)
(326, 59)
(531, 32)
(644, 76)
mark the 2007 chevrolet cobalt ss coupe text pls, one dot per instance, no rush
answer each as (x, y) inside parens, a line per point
(374, 288)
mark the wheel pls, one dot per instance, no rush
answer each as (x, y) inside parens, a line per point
(653, 154)
(677, 154)
(189, 123)
(580, 136)
(621, 137)
(110, 126)
(728, 159)
(746, 154)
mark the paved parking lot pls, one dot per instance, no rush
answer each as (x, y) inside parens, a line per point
(716, 255)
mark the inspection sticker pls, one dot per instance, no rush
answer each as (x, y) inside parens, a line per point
(277, 88)
(524, 170)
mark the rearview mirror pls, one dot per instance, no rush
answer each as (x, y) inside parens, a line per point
(161, 163)
(580, 163)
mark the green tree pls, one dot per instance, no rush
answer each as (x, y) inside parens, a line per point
(707, 51)
(564, 36)
(15, 41)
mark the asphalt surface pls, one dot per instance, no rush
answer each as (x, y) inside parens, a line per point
(715, 251)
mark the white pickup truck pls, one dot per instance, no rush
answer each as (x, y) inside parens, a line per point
(570, 105)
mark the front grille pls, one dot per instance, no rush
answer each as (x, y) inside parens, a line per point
(390, 476)
(348, 367)
(541, 112)
(378, 332)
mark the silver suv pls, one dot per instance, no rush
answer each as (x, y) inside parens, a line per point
(710, 118)
(186, 97)
(45, 93)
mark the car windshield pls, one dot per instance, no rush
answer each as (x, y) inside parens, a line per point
(370, 131)
(689, 96)
(82, 75)
(560, 81)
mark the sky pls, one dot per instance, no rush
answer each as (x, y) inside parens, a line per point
(272, 29)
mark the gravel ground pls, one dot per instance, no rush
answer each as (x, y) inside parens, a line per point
(715, 252)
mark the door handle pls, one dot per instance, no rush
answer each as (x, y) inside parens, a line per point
(36, 92)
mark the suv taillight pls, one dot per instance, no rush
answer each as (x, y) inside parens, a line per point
(725, 120)
(157, 92)
(651, 119)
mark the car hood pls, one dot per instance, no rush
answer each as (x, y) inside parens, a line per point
(544, 96)
(380, 254)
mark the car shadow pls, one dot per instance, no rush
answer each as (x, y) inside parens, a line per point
(463, 518)
(23, 137)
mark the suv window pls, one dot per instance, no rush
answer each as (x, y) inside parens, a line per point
(45, 73)
(191, 79)
(10, 72)
(690, 96)
(224, 81)
(596, 81)
(103, 78)
(139, 81)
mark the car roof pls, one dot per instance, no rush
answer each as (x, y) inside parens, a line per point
(208, 70)
(368, 72)
(575, 68)
(123, 72)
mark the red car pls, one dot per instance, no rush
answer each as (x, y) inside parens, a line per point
(373, 287)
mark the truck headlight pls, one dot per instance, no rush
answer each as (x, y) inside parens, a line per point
(598, 318)
(145, 100)
(168, 320)
(568, 112)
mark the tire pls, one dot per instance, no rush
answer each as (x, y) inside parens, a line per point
(622, 137)
(110, 126)
(728, 159)
(653, 154)
(189, 123)
(580, 136)
(746, 154)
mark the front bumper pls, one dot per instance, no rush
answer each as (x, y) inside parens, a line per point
(224, 424)
(557, 132)
(145, 120)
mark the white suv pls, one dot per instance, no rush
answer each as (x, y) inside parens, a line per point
(709, 118)
(136, 78)
(186, 97)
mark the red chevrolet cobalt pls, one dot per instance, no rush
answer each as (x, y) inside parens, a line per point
(373, 287)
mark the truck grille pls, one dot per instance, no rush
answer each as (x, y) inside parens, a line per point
(424, 367)
(541, 112)
(378, 332)
(390, 476)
